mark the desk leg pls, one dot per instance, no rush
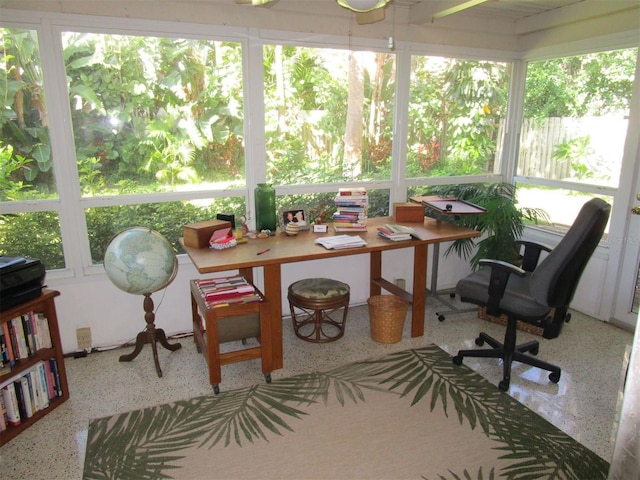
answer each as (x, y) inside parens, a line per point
(375, 271)
(273, 292)
(419, 290)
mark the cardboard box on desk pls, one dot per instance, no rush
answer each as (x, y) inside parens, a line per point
(197, 235)
(408, 212)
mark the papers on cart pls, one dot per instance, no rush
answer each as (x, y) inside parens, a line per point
(341, 241)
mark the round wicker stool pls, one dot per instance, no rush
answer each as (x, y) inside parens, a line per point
(319, 300)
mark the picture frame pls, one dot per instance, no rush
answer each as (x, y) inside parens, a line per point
(295, 214)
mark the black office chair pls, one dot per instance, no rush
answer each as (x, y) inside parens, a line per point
(531, 295)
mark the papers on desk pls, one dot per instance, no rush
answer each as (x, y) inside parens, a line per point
(341, 241)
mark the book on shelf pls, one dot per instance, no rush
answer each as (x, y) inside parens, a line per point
(338, 242)
(3, 414)
(24, 397)
(43, 337)
(56, 376)
(11, 404)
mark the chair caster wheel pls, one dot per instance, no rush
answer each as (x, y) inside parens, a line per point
(479, 341)
(216, 389)
(267, 378)
(440, 317)
(554, 377)
(457, 360)
(452, 295)
(504, 385)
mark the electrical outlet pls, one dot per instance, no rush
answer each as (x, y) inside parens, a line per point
(84, 338)
(400, 283)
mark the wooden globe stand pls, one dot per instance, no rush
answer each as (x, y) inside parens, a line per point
(150, 335)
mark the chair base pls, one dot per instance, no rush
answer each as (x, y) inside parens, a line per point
(509, 352)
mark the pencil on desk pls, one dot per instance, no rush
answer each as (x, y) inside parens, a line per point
(263, 251)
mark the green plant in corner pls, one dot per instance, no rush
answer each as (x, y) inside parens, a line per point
(501, 225)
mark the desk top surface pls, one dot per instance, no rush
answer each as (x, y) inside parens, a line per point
(286, 249)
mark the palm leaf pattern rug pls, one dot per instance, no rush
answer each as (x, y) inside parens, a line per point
(410, 414)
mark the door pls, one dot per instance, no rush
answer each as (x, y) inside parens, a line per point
(627, 304)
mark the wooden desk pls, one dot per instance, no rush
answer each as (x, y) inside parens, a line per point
(285, 249)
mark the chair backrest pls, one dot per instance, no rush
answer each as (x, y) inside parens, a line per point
(555, 280)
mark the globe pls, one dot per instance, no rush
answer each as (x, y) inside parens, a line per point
(140, 261)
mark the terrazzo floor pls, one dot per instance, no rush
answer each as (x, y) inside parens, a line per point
(584, 404)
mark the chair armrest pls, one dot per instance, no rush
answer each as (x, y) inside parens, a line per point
(531, 254)
(500, 273)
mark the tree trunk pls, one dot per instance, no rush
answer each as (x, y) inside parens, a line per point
(352, 167)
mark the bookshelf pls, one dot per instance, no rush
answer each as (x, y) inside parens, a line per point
(44, 304)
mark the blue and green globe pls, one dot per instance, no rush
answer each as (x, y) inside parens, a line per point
(140, 261)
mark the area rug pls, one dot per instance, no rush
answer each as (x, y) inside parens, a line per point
(411, 414)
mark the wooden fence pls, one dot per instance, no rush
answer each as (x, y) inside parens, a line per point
(539, 139)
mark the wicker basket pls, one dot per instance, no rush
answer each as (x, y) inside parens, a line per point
(502, 320)
(386, 316)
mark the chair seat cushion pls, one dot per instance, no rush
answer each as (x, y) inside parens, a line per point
(517, 302)
(319, 288)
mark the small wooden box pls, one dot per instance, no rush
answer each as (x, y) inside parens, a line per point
(408, 212)
(197, 235)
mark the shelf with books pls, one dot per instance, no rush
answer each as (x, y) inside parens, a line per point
(34, 381)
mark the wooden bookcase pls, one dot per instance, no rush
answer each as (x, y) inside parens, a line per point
(43, 304)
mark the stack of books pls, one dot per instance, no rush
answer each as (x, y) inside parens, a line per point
(395, 232)
(351, 210)
(225, 291)
(391, 233)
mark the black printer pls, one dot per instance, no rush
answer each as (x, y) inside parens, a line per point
(21, 279)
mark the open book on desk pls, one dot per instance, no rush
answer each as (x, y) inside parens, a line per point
(396, 232)
(341, 241)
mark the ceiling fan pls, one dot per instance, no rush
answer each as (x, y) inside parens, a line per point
(366, 11)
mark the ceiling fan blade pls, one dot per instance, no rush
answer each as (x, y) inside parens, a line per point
(373, 16)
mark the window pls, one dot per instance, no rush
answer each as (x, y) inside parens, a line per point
(30, 221)
(573, 132)
(158, 132)
(154, 116)
(329, 114)
(456, 116)
(328, 119)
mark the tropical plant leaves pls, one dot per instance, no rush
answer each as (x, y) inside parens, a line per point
(148, 443)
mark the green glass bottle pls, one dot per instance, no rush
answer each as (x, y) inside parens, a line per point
(265, 196)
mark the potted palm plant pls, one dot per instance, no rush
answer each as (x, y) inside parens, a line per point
(501, 225)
